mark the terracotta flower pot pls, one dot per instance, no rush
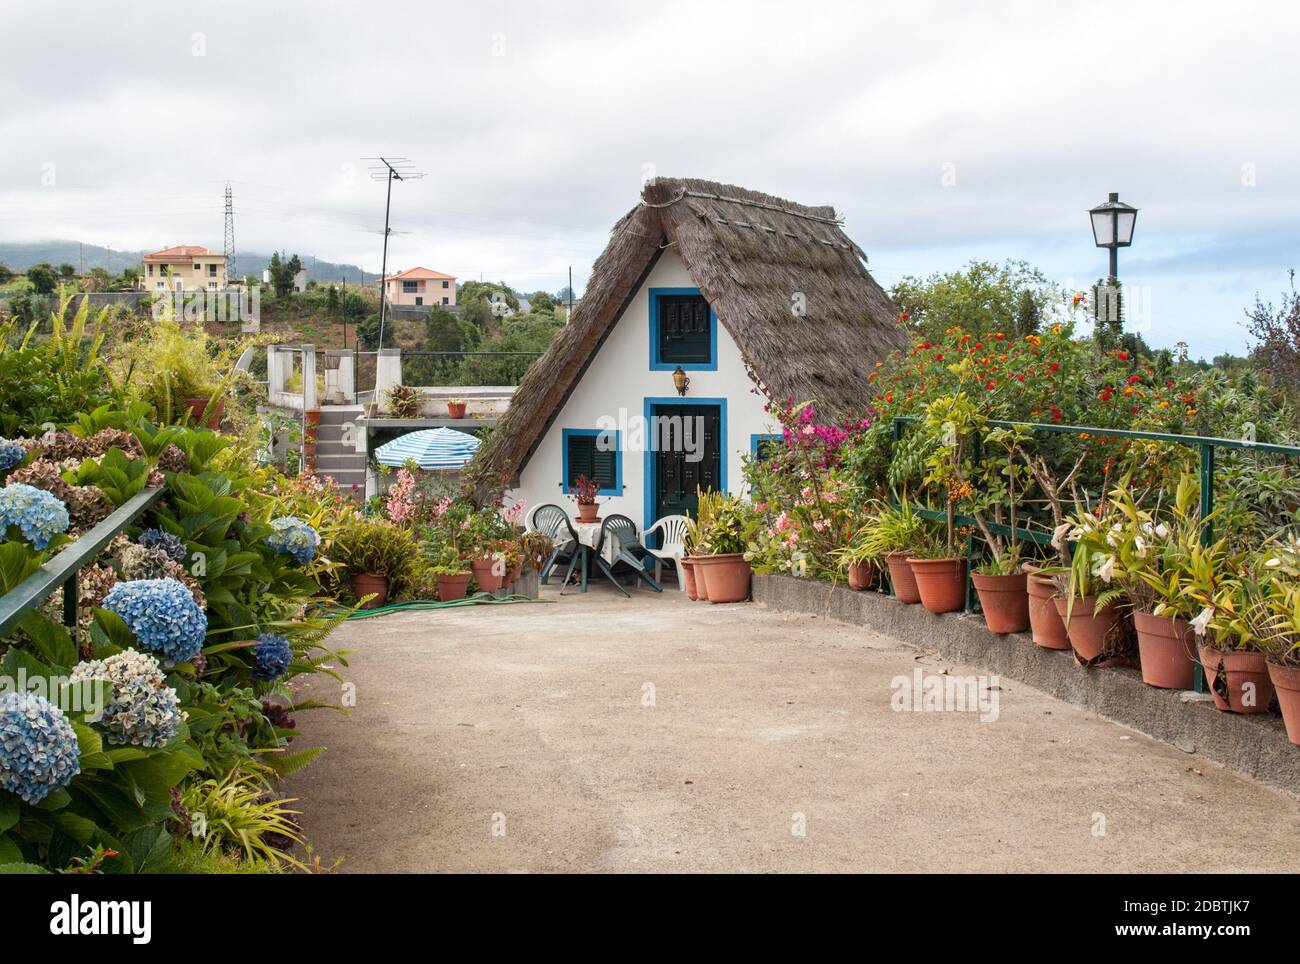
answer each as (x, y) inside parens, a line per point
(455, 409)
(487, 574)
(701, 565)
(1088, 633)
(1250, 689)
(1045, 622)
(1286, 680)
(1167, 647)
(453, 587)
(900, 575)
(861, 575)
(688, 574)
(196, 407)
(588, 513)
(941, 582)
(367, 583)
(728, 577)
(1005, 601)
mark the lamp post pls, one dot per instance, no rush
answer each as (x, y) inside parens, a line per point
(1112, 228)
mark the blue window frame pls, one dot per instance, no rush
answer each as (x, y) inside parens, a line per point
(583, 456)
(657, 363)
(758, 442)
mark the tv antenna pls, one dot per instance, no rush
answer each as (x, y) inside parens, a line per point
(388, 169)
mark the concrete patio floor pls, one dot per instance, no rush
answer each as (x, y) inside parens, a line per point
(598, 733)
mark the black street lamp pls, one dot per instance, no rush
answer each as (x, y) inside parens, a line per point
(1112, 228)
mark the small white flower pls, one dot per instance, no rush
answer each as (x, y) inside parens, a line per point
(1202, 620)
(1162, 531)
(1140, 546)
(1273, 563)
(1059, 534)
(1104, 568)
(1112, 537)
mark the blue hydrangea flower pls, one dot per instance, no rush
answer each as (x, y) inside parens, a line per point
(168, 543)
(142, 709)
(271, 657)
(11, 454)
(38, 748)
(162, 615)
(294, 537)
(36, 513)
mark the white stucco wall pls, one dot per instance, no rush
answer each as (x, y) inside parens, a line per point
(619, 377)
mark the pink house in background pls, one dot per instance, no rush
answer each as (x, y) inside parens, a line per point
(420, 286)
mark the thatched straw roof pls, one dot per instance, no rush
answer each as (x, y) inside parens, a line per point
(751, 255)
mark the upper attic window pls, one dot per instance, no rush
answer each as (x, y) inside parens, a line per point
(683, 330)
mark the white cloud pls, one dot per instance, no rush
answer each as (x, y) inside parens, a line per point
(534, 122)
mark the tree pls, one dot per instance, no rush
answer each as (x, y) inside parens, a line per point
(67, 271)
(541, 301)
(6, 273)
(353, 307)
(43, 278)
(984, 297)
(484, 290)
(1276, 333)
(282, 273)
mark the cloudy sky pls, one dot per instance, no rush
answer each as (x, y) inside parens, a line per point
(942, 132)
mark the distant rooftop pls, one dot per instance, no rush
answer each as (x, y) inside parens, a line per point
(180, 253)
(420, 274)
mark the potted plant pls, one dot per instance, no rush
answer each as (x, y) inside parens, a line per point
(1237, 631)
(455, 408)
(859, 564)
(1046, 627)
(1163, 571)
(1000, 581)
(403, 402)
(1089, 602)
(179, 372)
(939, 571)
(450, 573)
(1280, 635)
(379, 558)
(721, 550)
(690, 540)
(894, 534)
(585, 489)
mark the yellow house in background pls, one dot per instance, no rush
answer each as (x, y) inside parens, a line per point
(192, 268)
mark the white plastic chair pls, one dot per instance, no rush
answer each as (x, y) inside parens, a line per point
(673, 529)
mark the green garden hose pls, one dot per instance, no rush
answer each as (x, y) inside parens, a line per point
(419, 605)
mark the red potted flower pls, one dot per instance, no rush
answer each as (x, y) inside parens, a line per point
(455, 408)
(585, 489)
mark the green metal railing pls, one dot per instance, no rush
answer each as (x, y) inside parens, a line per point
(1205, 444)
(62, 569)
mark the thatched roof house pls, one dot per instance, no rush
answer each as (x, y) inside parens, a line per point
(785, 282)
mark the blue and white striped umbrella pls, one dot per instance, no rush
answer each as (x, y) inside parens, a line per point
(430, 448)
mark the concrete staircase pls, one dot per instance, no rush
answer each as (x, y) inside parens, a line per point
(336, 447)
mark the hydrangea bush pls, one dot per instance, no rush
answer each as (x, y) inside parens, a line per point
(11, 454)
(165, 541)
(271, 657)
(38, 747)
(142, 710)
(162, 615)
(294, 537)
(38, 515)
